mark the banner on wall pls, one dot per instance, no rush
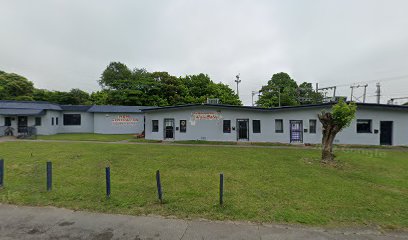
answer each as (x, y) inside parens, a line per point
(124, 120)
(205, 116)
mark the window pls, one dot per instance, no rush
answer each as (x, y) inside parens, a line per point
(312, 126)
(38, 121)
(7, 121)
(226, 126)
(183, 126)
(155, 125)
(278, 125)
(72, 119)
(56, 121)
(256, 126)
(52, 121)
(364, 126)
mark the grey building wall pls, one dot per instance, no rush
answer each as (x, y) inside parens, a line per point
(118, 123)
(87, 123)
(212, 130)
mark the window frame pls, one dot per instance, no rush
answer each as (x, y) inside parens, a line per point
(7, 121)
(52, 121)
(315, 126)
(224, 125)
(276, 128)
(37, 121)
(359, 130)
(155, 127)
(258, 129)
(71, 122)
(56, 121)
(183, 129)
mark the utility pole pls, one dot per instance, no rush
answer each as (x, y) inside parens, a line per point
(334, 88)
(253, 94)
(378, 93)
(238, 81)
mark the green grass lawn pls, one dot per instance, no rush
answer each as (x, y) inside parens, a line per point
(87, 137)
(368, 187)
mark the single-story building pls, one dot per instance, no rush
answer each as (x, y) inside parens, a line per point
(48, 118)
(375, 124)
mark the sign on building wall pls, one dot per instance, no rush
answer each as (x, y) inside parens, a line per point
(205, 116)
(124, 120)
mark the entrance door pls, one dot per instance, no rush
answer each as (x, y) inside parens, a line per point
(296, 131)
(386, 132)
(243, 129)
(22, 124)
(168, 128)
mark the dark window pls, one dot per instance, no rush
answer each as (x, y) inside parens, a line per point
(38, 121)
(52, 121)
(256, 126)
(56, 121)
(155, 125)
(7, 121)
(364, 126)
(183, 126)
(278, 125)
(72, 119)
(312, 126)
(226, 126)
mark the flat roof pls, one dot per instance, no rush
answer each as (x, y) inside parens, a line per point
(374, 105)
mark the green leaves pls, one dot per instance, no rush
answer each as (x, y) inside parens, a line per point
(343, 113)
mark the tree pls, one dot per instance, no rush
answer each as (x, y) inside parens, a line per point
(284, 90)
(116, 76)
(340, 117)
(14, 86)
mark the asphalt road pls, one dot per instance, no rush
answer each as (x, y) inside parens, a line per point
(17, 222)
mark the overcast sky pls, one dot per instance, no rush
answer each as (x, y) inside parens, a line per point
(61, 45)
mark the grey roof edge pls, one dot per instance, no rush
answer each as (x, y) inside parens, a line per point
(384, 106)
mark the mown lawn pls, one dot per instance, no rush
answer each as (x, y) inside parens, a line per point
(368, 187)
(87, 137)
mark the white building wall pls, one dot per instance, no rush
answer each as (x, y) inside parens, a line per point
(87, 123)
(212, 130)
(118, 123)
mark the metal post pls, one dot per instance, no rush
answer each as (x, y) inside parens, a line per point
(108, 182)
(365, 93)
(159, 188)
(279, 97)
(221, 189)
(49, 176)
(1, 173)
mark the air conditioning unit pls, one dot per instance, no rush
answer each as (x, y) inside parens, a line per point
(213, 101)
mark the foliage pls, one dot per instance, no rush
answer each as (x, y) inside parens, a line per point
(290, 93)
(14, 86)
(261, 184)
(140, 87)
(343, 114)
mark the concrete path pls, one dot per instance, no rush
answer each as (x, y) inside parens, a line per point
(18, 222)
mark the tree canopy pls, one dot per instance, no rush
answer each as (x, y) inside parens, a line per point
(282, 88)
(123, 86)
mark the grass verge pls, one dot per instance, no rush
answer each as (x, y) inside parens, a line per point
(261, 184)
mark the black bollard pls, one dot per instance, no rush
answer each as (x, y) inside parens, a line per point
(1, 173)
(49, 176)
(221, 189)
(159, 188)
(108, 183)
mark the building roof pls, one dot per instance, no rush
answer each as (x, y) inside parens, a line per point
(29, 105)
(117, 109)
(371, 105)
(76, 108)
(21, 112)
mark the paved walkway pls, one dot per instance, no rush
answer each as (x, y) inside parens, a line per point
(18, 222)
